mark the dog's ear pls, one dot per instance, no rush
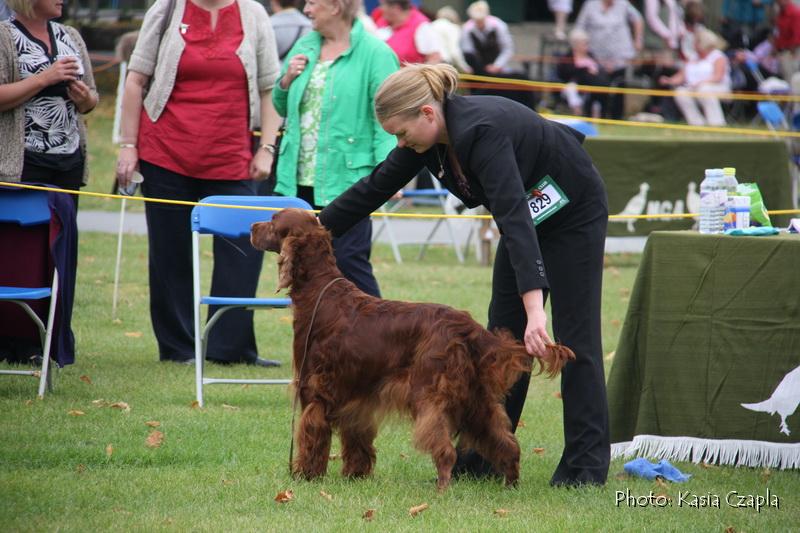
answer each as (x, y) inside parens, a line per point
(286, 263)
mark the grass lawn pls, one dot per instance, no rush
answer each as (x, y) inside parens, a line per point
(76, 462)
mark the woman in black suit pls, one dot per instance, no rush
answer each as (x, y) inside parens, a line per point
(549, 203)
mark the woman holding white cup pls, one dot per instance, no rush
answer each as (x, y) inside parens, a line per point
(46, 82)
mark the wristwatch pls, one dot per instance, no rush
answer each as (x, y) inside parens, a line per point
(269, 148)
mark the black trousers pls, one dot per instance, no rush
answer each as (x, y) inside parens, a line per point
(71, 179)
(237, 266)
(352, 250)
(573, 260)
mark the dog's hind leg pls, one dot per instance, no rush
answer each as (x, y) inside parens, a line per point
(495, 442)
(432, 433)
(358, 453)
(313, 442)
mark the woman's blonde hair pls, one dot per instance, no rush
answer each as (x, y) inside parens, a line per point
(349, 8)
(413, 86)
(22, 7)
(708, 40)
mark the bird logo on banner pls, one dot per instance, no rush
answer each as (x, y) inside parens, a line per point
(784, 400)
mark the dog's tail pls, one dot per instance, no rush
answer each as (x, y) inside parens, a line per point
(505, 359)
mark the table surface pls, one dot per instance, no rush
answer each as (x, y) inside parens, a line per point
(713, 322)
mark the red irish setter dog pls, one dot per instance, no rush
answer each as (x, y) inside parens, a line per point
(366, 356)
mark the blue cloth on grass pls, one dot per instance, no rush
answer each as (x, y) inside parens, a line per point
(646, 469)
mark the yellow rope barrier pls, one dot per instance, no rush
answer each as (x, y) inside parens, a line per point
(628, 90)
(680, 127)
(376, 214)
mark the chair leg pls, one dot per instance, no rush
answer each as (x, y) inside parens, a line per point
(45, 381)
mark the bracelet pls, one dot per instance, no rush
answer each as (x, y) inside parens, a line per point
(127, 145)
(269, 148)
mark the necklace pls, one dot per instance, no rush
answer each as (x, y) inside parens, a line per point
(440, 174)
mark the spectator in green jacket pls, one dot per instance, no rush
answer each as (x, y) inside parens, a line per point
(332, 139)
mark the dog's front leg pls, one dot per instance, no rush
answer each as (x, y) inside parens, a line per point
(313, 442)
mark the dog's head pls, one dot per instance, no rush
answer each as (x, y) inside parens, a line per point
(293, 232)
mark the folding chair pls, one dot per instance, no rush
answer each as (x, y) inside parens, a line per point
(439, 196)
(30, 208)
(230, 223)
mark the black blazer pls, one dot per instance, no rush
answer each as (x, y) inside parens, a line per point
(504, 150)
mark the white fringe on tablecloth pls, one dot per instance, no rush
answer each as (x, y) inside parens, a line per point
(714, 451)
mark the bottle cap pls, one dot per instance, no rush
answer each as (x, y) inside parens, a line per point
(729, 171)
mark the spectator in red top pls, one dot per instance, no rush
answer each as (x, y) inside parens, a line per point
(209, 67)
(408, 32)
(787, 42)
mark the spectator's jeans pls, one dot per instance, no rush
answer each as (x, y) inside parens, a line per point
(711, 114)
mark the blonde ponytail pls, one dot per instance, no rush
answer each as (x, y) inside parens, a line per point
(411, 87)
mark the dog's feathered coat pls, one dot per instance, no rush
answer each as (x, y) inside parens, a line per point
(367, 356)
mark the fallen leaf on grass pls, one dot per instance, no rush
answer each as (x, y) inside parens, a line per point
(229, 407)
(660, 482)
(28, 402)
(227, 482)
(155, 439)
(368, 515)
(610, 355)
(75, 412)
(557, 394)
(730, 529)
(152, 423)
(765, 474)
(538, 451)
(80, 468)
(285, 318)
(86, 379)
(334, 457)
(520, 424)
(706, 465)
(403, 456)
(116, 321)
(99, 403)
(414, 511)
(616, 323)
(123, 406)
(134, 334)
(246, 386)
(195, 405)
(284, 496)
(501, 512)
(326, 495)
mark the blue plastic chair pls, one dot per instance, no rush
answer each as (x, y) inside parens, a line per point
(587, 128)
(30, 208)
(435, 196)
(772, 115)
(231, 223)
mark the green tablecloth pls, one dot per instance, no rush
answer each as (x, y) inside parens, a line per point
(653, 176)
(713, 323)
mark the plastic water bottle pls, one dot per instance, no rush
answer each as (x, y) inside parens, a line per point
(729, 219)
(713, 198)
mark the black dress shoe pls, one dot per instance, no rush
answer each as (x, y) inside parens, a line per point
(266, 362)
